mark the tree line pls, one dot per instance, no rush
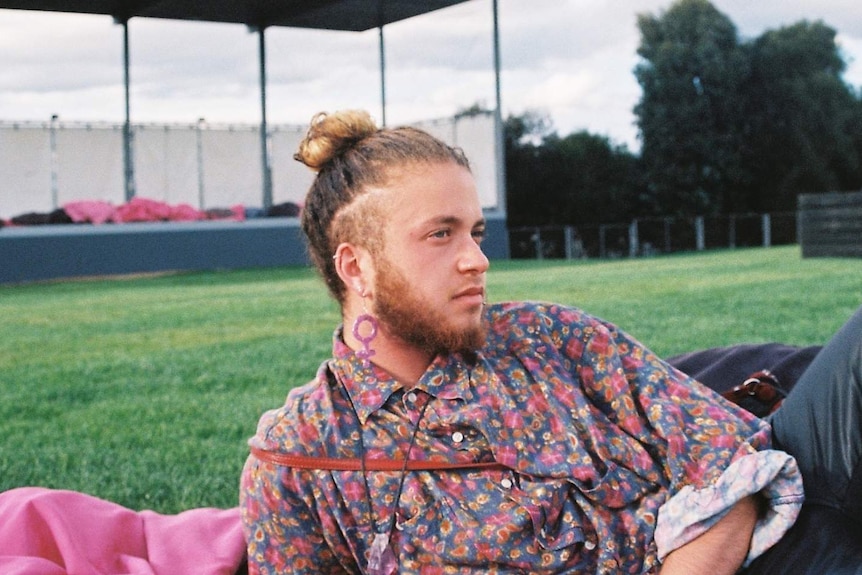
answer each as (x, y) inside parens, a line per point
(726, 126)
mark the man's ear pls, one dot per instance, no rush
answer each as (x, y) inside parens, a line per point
(354, 266)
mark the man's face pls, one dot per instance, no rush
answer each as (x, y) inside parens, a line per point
(430, 275)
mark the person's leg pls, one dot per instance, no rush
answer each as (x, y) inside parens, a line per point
(820, 423)
(821, 542)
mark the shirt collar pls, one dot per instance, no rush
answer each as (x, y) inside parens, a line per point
(369, 387)
(448, 377)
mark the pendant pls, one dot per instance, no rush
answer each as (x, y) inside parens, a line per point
(382, 559)
(366, 352)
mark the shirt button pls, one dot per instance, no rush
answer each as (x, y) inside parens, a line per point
(457, 437)
(506, 483)
(589, 545)
(411, 397)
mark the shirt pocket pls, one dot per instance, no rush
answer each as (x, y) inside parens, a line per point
(617, 488)
(557, 521)
(563, 510)
(470, 518)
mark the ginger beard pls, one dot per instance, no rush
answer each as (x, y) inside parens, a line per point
(407, 317)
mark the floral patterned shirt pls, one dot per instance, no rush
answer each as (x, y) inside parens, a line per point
(612, 459)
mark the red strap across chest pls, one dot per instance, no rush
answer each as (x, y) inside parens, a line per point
(355, 464)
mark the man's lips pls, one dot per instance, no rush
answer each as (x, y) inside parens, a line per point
(471, 294)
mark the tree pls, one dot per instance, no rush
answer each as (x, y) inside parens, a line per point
(529, 128)
(733, 127)
(805, 122)
(692, 74)
(581, 178)
(526, 201)
(597, 181)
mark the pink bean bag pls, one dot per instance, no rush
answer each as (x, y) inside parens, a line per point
(53, 532)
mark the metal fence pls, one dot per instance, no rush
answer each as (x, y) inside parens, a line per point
(651, 236)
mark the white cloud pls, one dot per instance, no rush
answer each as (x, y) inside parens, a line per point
(851, 46)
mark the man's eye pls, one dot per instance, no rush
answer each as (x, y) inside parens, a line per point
(479, 235)
(440, 234)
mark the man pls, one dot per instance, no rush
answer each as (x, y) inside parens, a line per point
(581, 451)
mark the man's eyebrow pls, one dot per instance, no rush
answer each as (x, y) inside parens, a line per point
(452, 220)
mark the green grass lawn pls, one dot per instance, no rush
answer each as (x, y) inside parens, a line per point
(143, 391)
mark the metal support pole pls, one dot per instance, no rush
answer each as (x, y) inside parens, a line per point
(264, 132)
(798, 216)
(200, 158)
(667, 236)
(55, 200)
(500, 149)
(382, 75)
(128, 161)
(537, 243)
(766, 224)
(603, 244)
(731, 231)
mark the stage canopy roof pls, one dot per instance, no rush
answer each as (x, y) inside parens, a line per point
(345, 15)
(350, 15)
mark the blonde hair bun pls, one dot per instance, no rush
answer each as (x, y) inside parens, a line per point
(331, 134)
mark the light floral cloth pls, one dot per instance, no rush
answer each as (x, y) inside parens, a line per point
(614, 459)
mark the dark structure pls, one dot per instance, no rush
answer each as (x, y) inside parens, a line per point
(830, 225)
(355, 15)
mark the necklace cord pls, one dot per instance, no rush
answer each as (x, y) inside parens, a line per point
(404, 467)
(403, 472)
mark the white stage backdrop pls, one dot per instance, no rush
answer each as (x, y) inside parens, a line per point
(45, 165)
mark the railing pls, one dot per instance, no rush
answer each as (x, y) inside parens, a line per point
(644, 237)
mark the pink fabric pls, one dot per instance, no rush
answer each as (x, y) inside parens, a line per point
(235, 213)
(142, 210)
(53, 532)
(94, 212)
(185, 213)
(238, 212)
(145, 210)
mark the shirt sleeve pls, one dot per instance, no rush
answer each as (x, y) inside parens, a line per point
(771, 474)
(713, 453)
(282, 532)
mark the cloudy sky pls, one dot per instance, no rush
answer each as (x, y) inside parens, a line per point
(571, 59)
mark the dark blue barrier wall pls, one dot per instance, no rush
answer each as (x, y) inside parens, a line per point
(65, 251)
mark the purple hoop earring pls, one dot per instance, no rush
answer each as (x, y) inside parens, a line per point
(366, 352)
